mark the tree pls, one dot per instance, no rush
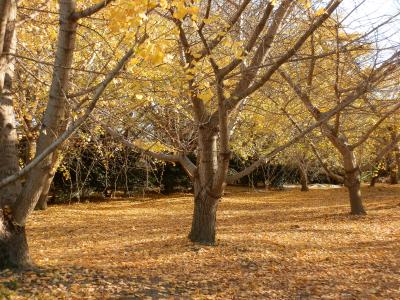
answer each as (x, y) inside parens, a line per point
(54, 131)
(220, 73)
(372, 80)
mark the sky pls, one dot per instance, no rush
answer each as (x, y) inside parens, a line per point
(371, 13)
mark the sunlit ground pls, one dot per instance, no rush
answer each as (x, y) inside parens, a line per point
(271, 245)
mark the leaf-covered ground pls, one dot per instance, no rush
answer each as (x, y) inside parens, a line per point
(271, 245)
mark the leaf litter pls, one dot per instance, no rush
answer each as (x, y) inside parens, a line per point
(271, 245)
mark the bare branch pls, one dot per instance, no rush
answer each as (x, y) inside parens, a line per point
(188, 166)
(324, 117)
(375, 126)
(285, 57)
(75, 125)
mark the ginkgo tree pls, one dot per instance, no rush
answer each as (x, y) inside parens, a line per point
(331, 81)
(218, 72)
(59, 121)
(180, 76)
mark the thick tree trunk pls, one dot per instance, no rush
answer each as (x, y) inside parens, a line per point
(353, 183)
(13, 246)
(14, 252)
(205, 203)
(204, 219)
(393, 172)
(53, 123)
(352, 177)
(354, 189)
(8, 132)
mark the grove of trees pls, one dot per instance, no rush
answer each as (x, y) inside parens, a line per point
(103, 86)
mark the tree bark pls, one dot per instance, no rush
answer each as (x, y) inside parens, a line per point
(393, 174)
(353, 183)
(304, 182)
(204, 218)
(53, 124)
(205, 202)
(303, 178)
(374, 179)
(8, 132)
(395, 164)
(354, 189)
(14, 252)
(42, 202)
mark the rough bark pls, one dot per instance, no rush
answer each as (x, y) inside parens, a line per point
(205, 201)
(393, 175)
(353, 183)
(204, 218)
(357, 207)
(14, 252)
(42, 202)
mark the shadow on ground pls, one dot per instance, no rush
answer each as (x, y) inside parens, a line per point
(271, 245)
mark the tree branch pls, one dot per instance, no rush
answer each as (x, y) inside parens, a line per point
(87, 12)
(75, 125)
(376, 125)
(187, 165)
(285, 57)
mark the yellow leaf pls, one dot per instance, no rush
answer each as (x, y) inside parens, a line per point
(206, 95)
(164, 4)
(320, 12)
(196, 55)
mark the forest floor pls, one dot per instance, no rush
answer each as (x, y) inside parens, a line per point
(271, 245)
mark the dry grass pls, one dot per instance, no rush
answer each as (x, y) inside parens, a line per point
(271, 245)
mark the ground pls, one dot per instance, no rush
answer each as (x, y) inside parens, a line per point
(271, 245)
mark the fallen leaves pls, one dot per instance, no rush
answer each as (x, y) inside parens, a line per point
(271, 245)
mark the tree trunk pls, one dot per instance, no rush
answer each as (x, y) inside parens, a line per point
(42, 202)
(205, 203)
(393, 175)
(374, 179)
(357, 207)
(204, 219)
(13, 245)
(352, 177)
(392, 168)
(303, 178)
(53, 123)
(395, 163)
(353, 183)
(8, 132)
(14, 252)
